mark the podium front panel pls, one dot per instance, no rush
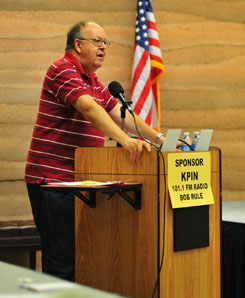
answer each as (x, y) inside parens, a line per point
(117, 246)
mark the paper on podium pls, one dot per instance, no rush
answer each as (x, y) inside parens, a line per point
(204, 141)
(87, 183)
(171, 140)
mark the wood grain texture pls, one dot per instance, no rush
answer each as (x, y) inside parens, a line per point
(116, 246)
(114, 234)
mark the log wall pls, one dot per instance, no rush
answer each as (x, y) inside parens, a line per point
(203, 48)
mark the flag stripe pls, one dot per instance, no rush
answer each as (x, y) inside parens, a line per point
(153, 34)
(149, 117)
(144, 95)
(151, 25)
(139, 86)
(141, 64)
(149, 14)
(155, 44)
(157, 59)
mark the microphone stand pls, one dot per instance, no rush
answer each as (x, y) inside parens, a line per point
(124, 107)
(123, 115)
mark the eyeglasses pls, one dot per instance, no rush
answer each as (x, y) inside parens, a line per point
(98, 42)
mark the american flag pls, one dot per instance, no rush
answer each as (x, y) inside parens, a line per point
(147, 67)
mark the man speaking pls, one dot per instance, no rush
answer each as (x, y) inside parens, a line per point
(75, 110)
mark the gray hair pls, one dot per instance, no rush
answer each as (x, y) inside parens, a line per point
(75, 32)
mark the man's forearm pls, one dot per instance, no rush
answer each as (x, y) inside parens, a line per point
(103, 122)
(99, 118)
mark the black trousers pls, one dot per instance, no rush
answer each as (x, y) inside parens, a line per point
(53, 213)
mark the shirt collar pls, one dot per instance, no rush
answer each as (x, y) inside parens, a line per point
(72, 59)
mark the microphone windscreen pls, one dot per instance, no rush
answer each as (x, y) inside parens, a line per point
(115, 89)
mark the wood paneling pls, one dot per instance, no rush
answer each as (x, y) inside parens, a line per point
(116, 248)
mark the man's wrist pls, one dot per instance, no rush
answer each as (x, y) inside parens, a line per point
(158, 136)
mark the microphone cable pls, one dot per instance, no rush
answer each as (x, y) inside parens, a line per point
(183, 141)
(147, 141)
(159, 263)
(157, 283)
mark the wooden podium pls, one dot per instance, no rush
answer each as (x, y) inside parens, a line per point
(119, 248)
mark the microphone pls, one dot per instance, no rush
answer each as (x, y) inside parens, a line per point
(117, 91)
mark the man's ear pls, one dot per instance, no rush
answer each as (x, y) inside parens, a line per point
(77, 45)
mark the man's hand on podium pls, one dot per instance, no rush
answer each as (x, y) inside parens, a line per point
(135, 148)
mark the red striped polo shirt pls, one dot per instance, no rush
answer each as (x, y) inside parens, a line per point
(59, 128)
